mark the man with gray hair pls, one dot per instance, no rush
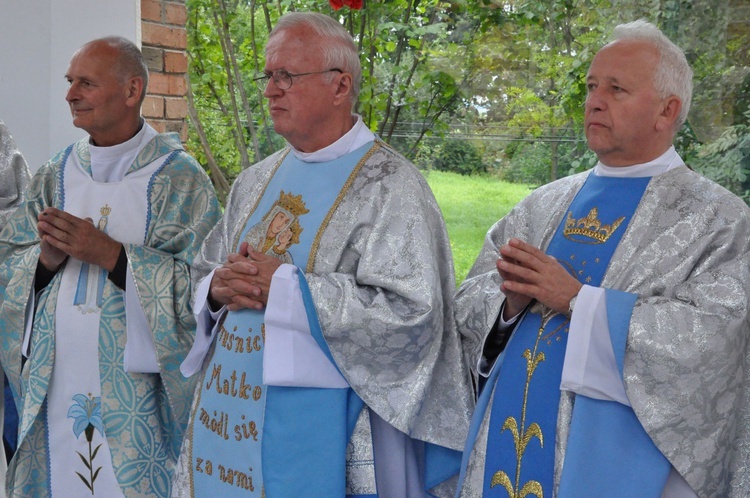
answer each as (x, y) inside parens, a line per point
(608, 312)
(328, 359)
(95, 311)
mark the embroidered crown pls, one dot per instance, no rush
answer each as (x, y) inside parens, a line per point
(590, 227)
(293, 203)
(104, 211)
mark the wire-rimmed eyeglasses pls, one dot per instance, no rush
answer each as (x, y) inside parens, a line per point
(283, 78)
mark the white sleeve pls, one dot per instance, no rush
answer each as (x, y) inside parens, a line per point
(590, 367)
(140, 352)
(291, 355)
(205, 329)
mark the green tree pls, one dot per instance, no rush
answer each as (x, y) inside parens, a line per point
(459, 156)
(404, 96)
(432, 67)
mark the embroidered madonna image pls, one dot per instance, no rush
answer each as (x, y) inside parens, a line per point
(280, 227)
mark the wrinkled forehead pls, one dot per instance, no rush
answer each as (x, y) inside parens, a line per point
(625, 56)
(94, 59)
(295, 44)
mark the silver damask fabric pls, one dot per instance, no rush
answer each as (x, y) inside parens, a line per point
(686, 254)
(382, 282)
(14, 175)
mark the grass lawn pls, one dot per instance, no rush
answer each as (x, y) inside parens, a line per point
(471, 205)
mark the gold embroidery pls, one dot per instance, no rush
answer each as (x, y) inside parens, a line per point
(260, 196)
(589, 227)
(239, 344)
(236, 477)
(327, 219)
(217, 424)
(246, 430)
(229, 387)
(227, 475)
(522, 437)
(279, 228)
(293, 203)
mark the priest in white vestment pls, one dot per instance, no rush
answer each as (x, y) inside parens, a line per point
(95, 267)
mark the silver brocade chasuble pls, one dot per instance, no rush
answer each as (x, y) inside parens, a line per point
(228, 418)
(685, 252)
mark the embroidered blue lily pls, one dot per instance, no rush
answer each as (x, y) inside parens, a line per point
(87, 411)
(87, 416)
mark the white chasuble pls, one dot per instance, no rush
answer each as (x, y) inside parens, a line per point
(80, 460)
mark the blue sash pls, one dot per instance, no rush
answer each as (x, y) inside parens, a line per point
(240, 444)
(523, 416)
(609, 452)
(305, 455)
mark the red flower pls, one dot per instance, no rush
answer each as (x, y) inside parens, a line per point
(352, 4)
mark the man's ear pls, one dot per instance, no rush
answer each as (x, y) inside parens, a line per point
(134, 91)
(670, 113)
(343, 89)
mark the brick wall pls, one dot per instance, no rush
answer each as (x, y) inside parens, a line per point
(164, 40)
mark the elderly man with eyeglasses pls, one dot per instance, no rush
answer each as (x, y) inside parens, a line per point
(328, 360)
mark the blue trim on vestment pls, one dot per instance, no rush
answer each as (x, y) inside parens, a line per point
(440, 463)
(476, 420)
(150, 188)
(61, 176)
(304, 443)
(609, 452)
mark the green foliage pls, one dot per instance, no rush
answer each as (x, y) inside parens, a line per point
(727, 160)
(470, 206)
(429, 65)
(409, 85)
(528, 162)
(459, 156)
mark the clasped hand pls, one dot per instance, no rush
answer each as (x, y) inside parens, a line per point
(63, 235)
(528, 273)
(244, 280)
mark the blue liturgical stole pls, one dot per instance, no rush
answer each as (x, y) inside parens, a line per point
(300, 465)
(523, 416)
(248, 438)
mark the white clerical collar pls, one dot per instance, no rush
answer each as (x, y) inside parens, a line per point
(110, 164)
(352, 140)
(669, 160)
